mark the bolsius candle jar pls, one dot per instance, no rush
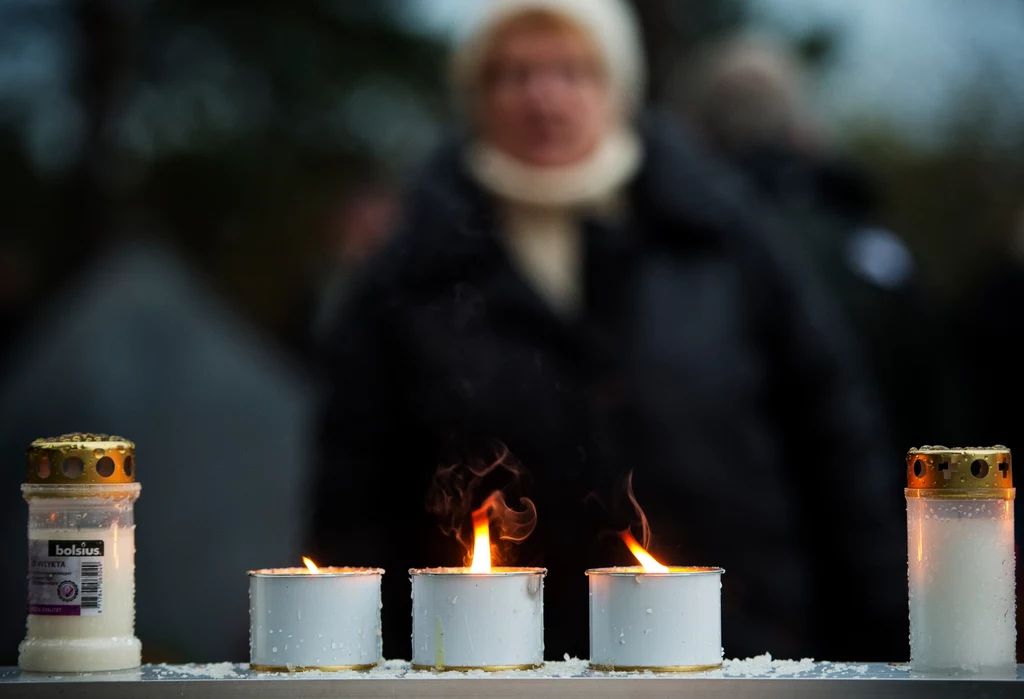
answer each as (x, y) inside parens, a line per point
(81, 491)
(961, 561)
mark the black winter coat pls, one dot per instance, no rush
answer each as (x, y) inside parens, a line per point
(703, 361)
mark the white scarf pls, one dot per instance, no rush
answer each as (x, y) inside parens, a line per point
(587, 183)
(541, 232)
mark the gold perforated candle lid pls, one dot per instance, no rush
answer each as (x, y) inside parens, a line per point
(961, 471)
(81, 459)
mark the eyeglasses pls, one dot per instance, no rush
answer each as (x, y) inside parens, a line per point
(519, 76)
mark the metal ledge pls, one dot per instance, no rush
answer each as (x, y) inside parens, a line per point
(570, 679)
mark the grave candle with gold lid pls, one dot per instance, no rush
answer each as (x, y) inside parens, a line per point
(961, 561)
(81, 492)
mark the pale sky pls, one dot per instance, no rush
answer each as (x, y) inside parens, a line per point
(908, 60)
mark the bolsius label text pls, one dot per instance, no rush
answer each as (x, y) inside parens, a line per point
(75, 548)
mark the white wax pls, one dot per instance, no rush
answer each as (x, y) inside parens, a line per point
(105, 641)
(962, 598)
(302, 621)
(464, 620)
(666, 621)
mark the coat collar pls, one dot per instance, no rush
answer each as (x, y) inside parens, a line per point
(680, 195)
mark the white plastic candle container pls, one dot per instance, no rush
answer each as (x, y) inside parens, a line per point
(324, 621)
(81, 492)
(664, 622)
(471, 621)
(961, 561)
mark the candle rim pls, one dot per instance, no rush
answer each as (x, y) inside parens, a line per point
(325, 572)
(673, 571)
(464, 571)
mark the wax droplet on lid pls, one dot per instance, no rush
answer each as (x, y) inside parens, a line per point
(650, 611)
(274, 649)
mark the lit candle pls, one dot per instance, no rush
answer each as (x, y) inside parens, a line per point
(81, 491)
(314, 618)
(480, 617)
(655, 617)
(961, 561)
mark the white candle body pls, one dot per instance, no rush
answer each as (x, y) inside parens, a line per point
(464, 621)
(667, 621)
(87, 642)
(302, 621)
(962, 597)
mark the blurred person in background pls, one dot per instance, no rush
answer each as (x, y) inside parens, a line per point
(747, 98)
(584, 285)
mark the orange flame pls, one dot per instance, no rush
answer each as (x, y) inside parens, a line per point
(513, 525)
(456, 488)
(481, 541)
(646, 560)
(311, 565)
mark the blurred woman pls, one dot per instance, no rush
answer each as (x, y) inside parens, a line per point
(587, 288)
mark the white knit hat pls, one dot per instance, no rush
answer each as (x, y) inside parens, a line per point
(610, 23)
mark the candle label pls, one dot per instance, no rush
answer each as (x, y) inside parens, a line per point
(65, 577)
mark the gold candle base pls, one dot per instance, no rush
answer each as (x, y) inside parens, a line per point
(666, 669)
(312, 668)
(484, 668)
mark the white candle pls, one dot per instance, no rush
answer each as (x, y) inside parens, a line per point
(81, 492)
(89, 624)
(464, 620)
(961, 561)
(962, 602)
(664, 621)
(324, 621)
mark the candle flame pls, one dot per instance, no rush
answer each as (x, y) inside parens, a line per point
(646, 560)
(311, 565)
(481, 541)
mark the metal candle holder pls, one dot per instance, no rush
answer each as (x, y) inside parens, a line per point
(659, 621)
(477, 621)
(324, 621)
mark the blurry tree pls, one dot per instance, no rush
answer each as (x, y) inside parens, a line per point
(228, 127)
(957, 205)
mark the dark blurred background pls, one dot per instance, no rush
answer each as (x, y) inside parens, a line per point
(187, 188)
